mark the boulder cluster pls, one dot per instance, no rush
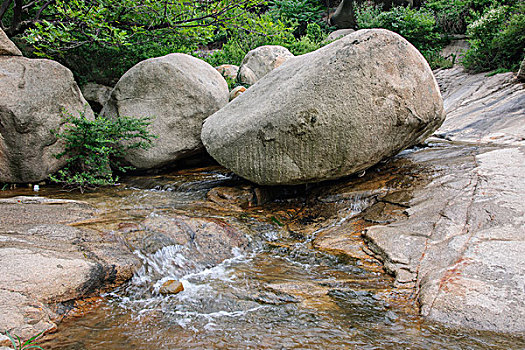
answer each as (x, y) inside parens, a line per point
(320, 116)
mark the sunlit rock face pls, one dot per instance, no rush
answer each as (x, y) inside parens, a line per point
(329, 113)
(177, 92)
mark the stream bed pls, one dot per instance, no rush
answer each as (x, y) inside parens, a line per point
(273, 290)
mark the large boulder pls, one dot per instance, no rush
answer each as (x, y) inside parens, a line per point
(329, 113)
(34, 93)
(7, 48)
(178, 91)
(261, 61)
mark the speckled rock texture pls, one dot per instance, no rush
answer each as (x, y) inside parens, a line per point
(462, 242)
(7, 48)
(178, 92)
(34, 93)
(329, 113)
(45, 263)
(261, 61)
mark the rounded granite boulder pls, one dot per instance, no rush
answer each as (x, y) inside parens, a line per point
(330, 113)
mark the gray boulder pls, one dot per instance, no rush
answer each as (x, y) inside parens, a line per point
(7, 48)
(261, 61)
(33, 95)
(178, 91)
(96, 94)
(329, 113)
(344, 15)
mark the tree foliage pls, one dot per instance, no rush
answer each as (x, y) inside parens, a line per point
(52, 25)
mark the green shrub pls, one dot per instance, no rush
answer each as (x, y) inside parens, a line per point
(367, 14)
(497, 39)
(418, 26)
(298, 13)
(94, 146)
(453, 16)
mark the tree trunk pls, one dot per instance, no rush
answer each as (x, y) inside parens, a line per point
(344, 16)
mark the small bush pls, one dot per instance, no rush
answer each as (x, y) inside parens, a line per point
(418, 26)
(265, 31)
(298, 13)
(497, 39)
(93, 146)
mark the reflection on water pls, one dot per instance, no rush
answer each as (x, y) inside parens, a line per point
(281, 293)
(265, 300)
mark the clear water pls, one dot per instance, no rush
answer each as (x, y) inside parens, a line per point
(280, 294)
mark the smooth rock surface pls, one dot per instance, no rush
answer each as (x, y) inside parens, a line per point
(7, 48)
(33, 95)
(171, 287)
(178, 92)
(329, 113)
(462, 242)
(45, 262)
(482, 109)
(261, 61)
(337, 34)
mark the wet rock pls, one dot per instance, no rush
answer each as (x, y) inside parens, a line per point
(329, 113)
(171, 287)
(232, 197)
(46, 262)
(342, 239)
(462, 242)
(34, 93)
(204, 242)
(482, 109)
(7, 48)
(228, 70)
(261, 61)
(178, 91)
(310, 295)
(384, 213)
(237, 92)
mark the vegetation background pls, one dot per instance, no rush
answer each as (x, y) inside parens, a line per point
(101, 39)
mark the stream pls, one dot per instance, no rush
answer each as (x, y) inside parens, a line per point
(274, 290)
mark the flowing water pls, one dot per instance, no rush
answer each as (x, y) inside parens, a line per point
(277, 292)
